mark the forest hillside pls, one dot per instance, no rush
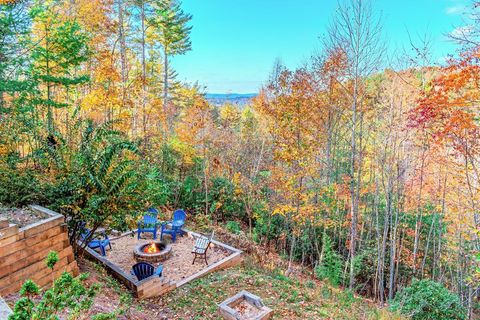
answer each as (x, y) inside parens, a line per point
(363, 172)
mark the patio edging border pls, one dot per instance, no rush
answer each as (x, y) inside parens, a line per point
(153, 287)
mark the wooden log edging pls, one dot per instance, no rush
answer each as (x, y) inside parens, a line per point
(155, 286)
(127, 279)
(23, 251)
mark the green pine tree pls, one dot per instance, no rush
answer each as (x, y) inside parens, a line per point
(173, 33)
(61, 46)
(14, 25)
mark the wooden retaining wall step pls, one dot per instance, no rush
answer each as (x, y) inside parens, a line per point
(44, 279)
(39, 273)
(24, 242)
(23, 252)
(34, 268)
(41, 226)
(155, 287)
(9, 240)
(26, 250)
(3, 223)
(9, 231)
(22, 263)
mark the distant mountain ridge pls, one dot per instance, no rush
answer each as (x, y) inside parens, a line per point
(240, 99)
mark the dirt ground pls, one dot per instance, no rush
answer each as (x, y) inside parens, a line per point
(177, 267)
(20, 217)
(246, 310)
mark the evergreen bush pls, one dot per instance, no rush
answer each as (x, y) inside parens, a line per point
(428, 300)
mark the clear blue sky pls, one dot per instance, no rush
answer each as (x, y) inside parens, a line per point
(235, 42)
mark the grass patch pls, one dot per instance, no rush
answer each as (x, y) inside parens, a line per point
(290, 298)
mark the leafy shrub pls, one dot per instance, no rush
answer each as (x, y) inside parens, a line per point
(190, 194)
(347, 298)
(52, 259)
(233, 227)
(225, 204)
(331, 266)
(105, 316)
(99, 181)
(202, 222)
(95, 178)
(428, 300)
(67, 292)
(310, 284)
(19, 187)
(267, 225)
(157, 188)
(364, 266)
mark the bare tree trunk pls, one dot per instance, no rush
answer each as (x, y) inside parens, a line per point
(353, 194)
(378, 287)
(393, 240)
(439, 250)
(49, 86)
(144, 76)
(386, 222)
(165, 90)
(476, 218)
(418, 220)
(205, 178)
(393, 252)
(357, 32)
(123, 51)
(426, 248)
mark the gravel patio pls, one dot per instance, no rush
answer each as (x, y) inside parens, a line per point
(177, 267)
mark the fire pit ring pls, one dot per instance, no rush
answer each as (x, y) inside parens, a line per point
(162, 253)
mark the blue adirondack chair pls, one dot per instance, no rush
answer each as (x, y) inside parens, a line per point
(149, 223)
(143, 270)
(179, 217)
(95, 243)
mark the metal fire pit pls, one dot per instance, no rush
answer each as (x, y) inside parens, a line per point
(165, 251)
(244, 306)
